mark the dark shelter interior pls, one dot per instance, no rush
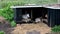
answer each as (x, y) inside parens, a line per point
(34, 13)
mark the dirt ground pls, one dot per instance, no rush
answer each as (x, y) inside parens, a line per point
(24, 28)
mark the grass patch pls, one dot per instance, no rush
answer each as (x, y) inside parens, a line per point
(56, 29)
(13, 24)
(2, 32)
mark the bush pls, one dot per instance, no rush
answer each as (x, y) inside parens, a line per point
(2, 32)
(7, 12)
(56, 29)
(13, 24)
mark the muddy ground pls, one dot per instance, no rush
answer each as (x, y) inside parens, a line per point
(24, 28)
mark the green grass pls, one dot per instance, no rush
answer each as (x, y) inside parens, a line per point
(33, 1)
(13, 24)
(22, 2)
(56, 29)
(2, 32)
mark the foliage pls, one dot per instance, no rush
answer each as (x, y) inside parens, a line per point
(7, 12)
(56, 29)
(2, 32)
(13, 24)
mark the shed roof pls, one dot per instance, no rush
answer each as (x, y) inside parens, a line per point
(52, 6)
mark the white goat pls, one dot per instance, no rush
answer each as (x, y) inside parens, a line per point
(38, 20)
(26, 17)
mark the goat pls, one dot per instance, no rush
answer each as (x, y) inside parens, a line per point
(38, 19)
(26, 18)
